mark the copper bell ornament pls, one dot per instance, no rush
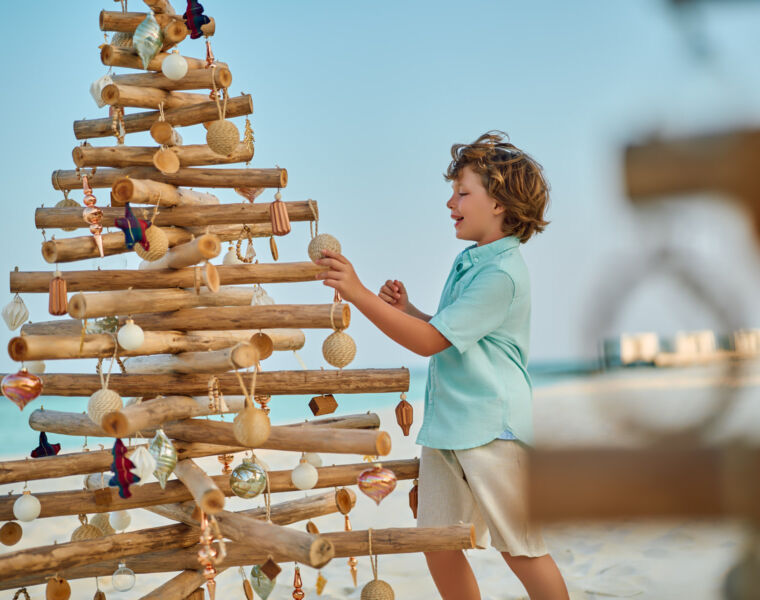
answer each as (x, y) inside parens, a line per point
(404, 414)
(58, 304)
(414, 498)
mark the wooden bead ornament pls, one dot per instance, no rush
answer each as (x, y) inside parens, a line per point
(323, 405)
(250, 253)
(10, 533)
(247, 589)
(278, 215)
(92, 215)
(68, 203)
(85, 531)
(159, 244)
(377, 589)
(58, 303)
(404, 414)
(57, 589)
(414, 498)
(15, 313)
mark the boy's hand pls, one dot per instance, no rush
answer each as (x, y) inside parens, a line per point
(340, 276)
(394, 293)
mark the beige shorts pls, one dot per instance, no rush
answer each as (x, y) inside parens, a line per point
(485, 486)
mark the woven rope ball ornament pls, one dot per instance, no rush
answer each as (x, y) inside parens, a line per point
(251, 426)
(339, 349)
(68, 203)
(323, 241)
(377, 589)
(57, 589)
(158, 244)
(101, 521)
(223, 137)
(101, 403)
(85, 531)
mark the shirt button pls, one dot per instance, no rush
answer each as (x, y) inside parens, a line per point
(459, 267)
(475, 259)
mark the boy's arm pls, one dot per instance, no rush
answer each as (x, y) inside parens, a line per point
(417, 313)
(413, 333)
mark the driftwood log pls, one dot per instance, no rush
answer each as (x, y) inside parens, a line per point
(74, 502)
(136, 156)
(181, 216)
(146, 191)
(116, 56)
(195, 79)
(197, 177)
(144, 97)
(82, 463)
(115, 279)
(179, 117)
(206, 494)
(241, 356)
(199, 250)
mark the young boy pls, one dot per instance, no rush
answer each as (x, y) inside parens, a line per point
(478, 406)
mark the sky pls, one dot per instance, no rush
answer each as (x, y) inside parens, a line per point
(362, 101)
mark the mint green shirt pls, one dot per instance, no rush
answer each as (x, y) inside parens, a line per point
(479, 387)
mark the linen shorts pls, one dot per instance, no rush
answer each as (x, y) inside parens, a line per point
(485, 486)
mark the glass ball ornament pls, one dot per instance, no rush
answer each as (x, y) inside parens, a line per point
(248, 480)
(21, 387)
(130, 336)
(120, 520)
(123, 578)
(26, 507)
(313, 459)
(174, 66)
(304, 476)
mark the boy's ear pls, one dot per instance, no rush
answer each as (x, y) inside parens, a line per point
(498, 208)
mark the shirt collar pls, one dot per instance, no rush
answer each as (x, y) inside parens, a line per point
(475, 253)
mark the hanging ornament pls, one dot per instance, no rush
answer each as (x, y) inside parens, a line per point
(377, 589)
(230, 258)
(95, 481)
(222, 136)
(377, 482)
(248, 480)
(133, 228)
(45, 448)
(103, 401)
(323, 405)
(10, 533)
(260, 296)
(304, 476)
(248, 141)
(122, 39)
(226, 460)
(148, 39)
(311, 527)
(249, 193)
(123, 578)
(314, 459)
(21, 387)
(208, 556)
(96, 89)
(102, 325)
(174, 66)
(36, 367)
(165, 454)
(264, 347)
(85, 531)
(122, 469)
(158, 244)
(247, 589)
(144, 463)
(321, 583)
(26, 507)
(99, 595)
(67, 203)
(15, 313)
(101, 521)
(404, 414)
(195, 19)
(92, 215)
(166, 160)
(58, 304)
(261, 582)
(130, 336)
(278, 215)
(339, 349)
(250, 253)
(298, 593)
(323, 241)
(120, 520)
(251, 425)
(414, 498)
(273, 249)
(57, 589)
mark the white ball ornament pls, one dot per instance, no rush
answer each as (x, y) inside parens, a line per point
(130, 336)
(313, 459)
(26, 508)
(35, 367)
(120, 520)
(174, 66)
(304, 476)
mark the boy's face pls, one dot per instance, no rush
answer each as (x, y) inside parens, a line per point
(477, 216)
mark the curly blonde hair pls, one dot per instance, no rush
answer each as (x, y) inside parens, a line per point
(511, 177)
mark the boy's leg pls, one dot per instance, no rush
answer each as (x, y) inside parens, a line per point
(453, 575)
(539, 575)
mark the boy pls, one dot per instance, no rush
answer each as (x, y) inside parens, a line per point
(478, 412)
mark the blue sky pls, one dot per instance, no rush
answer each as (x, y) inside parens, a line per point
(361, 102)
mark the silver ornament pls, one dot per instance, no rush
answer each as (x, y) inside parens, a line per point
(165, 454)
(148, 39)
(248, 480)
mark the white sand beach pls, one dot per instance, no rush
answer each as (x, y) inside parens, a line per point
(644, 560)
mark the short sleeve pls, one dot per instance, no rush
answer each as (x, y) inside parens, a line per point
(479, 310)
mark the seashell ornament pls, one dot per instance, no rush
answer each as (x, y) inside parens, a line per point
(230, 258)
(15, 313)
(260, 296)
(323, 241)
(377, 482)
(148, 39)
(159, 244)
(144, 463)
(85, 531)
(339, 349)
(248, 480)
(21, 387)
(165, 454)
